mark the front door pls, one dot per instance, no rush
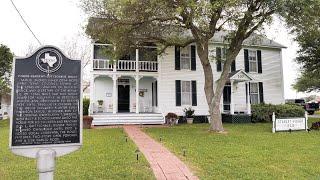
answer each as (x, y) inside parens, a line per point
(123, 98)
(226, 98)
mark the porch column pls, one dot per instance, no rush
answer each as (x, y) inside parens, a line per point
(137, 77)
(248, 99)
(231, 102)
(91, 107)
(115, 94)
(137, 60)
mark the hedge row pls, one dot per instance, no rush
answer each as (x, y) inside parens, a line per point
(263, 112)
(86, 103)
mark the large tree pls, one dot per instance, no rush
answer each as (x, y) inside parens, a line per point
(303, 17)
(127, 23)
(6, 57)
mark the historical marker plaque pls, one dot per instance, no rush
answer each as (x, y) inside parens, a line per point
(46, 100)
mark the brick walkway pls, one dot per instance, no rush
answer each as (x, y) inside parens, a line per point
(164, 164)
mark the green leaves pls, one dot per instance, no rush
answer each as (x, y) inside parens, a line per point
(303, 18)
(6, 58)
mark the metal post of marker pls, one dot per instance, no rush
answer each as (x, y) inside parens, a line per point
(46, 164)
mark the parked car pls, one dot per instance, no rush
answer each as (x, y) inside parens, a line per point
(310, 107)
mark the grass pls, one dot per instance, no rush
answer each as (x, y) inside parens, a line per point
(248, 151)
(104, 155)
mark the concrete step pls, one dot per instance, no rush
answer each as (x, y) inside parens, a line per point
(112, 119)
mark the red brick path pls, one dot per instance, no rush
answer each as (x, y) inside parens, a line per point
(164, 164)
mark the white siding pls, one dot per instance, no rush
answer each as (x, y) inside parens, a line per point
(271, 77)
(103, 86)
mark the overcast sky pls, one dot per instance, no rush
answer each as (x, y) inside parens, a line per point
(54, 21)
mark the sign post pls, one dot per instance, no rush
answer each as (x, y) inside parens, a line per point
(46, 108)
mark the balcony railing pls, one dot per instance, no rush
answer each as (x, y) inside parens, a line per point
(125, 65)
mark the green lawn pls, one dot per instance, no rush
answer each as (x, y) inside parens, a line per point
(248, 151)
(104, 155)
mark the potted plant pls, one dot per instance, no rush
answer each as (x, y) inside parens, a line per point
(189, 113)
(100, 103)
(171, 119)
(87, 122)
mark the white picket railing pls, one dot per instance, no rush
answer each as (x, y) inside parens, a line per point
(125, 65)
(148, 65)
(102, 64)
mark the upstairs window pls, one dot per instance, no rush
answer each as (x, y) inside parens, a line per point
(185, 57)
(253, 61)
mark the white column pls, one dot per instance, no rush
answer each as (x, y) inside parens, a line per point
(115, 94)
(137, 93)
(137, 60)
(91, 107)
(248, 100)
(231, 102)
(115, 62)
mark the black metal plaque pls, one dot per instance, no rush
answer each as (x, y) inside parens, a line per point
(46, 99)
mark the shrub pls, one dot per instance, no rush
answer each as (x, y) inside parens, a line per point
(263, 112)
(316, 125)
(86, 103)
(171, 118)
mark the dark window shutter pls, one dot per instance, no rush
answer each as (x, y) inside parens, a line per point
(177, 57)
(259, 61)
(193, 58)
(247, 84)
(261, 92)
(178, 93)
(246, 60)
(194, 93)
(218, 55)
(233, 66)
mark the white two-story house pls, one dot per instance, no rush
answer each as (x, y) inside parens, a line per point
(142, 87)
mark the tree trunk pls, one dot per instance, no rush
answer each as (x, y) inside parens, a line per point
(213, 99)
(213, 96)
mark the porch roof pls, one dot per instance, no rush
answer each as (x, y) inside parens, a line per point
(240, 76)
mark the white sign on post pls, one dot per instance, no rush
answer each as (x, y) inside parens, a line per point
(46, 108)
(289, 124)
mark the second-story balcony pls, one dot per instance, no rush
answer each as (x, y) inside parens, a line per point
(143, 59)
(125, 65)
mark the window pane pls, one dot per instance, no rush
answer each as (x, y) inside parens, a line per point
(185, 63)
(223, 53)
(253, 87)
(186, 92)
(185, 57)
(252, 66)
(254, 98)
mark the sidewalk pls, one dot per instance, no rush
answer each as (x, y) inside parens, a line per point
(164, 164)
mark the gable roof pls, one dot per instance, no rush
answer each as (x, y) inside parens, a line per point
(253, 40)
(240, 76)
